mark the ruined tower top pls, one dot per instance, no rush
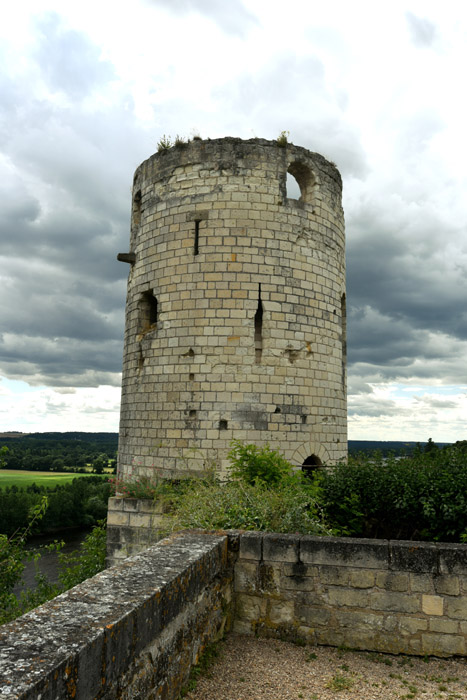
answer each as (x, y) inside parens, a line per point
(235, 317)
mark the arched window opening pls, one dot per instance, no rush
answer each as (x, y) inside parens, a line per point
(310, 465)
(148, 312)
(293, 188)
(344, 337)
(301, 183)
(259, 329)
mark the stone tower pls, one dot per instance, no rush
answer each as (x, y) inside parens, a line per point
(235, 315)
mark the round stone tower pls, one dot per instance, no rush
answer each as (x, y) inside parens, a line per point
(235, 315)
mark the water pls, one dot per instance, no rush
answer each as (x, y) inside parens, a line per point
(48, 562)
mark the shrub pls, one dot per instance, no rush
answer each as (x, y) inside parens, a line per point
(289, 505)
(421, 497)
(251, 463)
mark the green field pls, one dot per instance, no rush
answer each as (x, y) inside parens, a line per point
(13, 477)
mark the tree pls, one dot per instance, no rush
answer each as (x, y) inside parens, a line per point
(100, 463)
(430, 446)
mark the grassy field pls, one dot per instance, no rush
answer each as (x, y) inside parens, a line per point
(13, 477)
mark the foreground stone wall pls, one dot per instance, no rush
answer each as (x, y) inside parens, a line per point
(389, 596)
(132, 631)
(135, 630)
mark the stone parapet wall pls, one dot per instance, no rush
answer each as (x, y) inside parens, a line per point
(136, 629)
(388, 596)
(133, 524)
(132, 631)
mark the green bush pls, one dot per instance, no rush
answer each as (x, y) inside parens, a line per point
(262, 493)
(85, 562)
(421, 497)
(251, 464)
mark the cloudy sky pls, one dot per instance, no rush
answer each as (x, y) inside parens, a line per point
(88, 88)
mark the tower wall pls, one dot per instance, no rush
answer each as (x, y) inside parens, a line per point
(235, 316)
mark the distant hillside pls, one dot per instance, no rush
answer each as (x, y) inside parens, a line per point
(57, 451)
(386, 446)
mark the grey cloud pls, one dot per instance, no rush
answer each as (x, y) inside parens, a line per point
(374, 407)
(357, 385)
(433, 403)
(65, 179)
(423, 32)
(69, 61)
(60, 362)
(279, 98)
(232, 16)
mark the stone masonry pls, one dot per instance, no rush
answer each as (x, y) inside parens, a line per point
(235, 316)
(136, 629)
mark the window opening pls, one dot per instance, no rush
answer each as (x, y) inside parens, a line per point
(223, 424)
(259, 329)
(191, 376)
(310, 465)
(300, 183)
(140, 359)
(293, 188)
(137, 208)
(196, 243)
(148, 311)
(344, 337)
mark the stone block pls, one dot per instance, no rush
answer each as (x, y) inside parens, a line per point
(251, 546)
(392, 581)
(442, 644)
(139, 520)
(432, 604)
(246, 576)
(348, 551)
(250, 607)
(456, 608)
(280, 613)
(359, 620)
(444, 626)
(447, 584)
(394, 602)
(421, 583)
(361, 578)
(281, 548)
(452, 558)
(348, 597)
(314, 617)
(118, 518)
(415, 557)
(412, 625)
(297, 582)
(334, 575)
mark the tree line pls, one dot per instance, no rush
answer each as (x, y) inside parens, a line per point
(81, 503)
(72, 451)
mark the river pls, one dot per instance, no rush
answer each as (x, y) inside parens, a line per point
(48, 562)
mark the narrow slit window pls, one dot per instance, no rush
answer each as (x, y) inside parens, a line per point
(196, 243)
(344, 337)
(259, 329)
